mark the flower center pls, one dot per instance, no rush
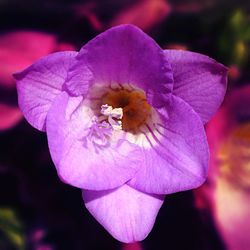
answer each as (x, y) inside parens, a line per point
(134, 106)
(121, 112)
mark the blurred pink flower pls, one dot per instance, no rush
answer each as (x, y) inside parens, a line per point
(18, 50)
(44, 247)
(145, 14)
(132, 246)
(9, 116)
(177, 46)
(227, 194)
(192, 6)
(88, 10)
(38, 235)
(36, 239)
(21, 48)
(234, 72)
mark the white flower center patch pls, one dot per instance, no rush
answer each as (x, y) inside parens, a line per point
(122, 113)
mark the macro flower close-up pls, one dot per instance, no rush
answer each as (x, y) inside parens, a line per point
(125, 123)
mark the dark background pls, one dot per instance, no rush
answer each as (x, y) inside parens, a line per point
(37, 210)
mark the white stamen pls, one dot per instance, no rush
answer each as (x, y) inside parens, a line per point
(117, 113)
(111, 113)
(106, 109)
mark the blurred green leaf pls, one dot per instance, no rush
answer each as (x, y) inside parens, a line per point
(12, 228)
(247, 33)
(234, 39)
(237, 19)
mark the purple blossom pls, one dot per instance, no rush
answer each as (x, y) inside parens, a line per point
(124, 121)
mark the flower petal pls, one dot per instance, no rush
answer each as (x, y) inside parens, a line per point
(82, 159)
(127, 214)
(199, 80)
(178, 159)
(124, 55)
(38, 85)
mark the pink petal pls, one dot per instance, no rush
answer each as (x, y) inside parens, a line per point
(34, 44)
(232, 215)
(11, 62)
(132, 246)
(19, 49)
(144, 14)
(198, 80)
(228, 190)
(9, 116)
(127, 214)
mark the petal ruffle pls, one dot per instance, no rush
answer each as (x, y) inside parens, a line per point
(39, 84)
(198, 80)
(82, 156)
(127, 214)
(124, 55)
(179, 158)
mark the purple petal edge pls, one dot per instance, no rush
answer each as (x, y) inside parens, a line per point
(39, 84)
(124, 55)
(199, 80)
(127, 214)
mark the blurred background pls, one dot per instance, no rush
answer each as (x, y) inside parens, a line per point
(38, 212)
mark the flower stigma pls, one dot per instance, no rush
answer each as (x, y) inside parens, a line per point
(113, 116)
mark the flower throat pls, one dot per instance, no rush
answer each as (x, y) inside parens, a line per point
(134, 105)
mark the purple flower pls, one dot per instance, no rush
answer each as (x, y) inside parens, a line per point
(124, 121)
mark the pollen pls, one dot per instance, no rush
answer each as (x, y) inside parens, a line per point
(134, 105)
